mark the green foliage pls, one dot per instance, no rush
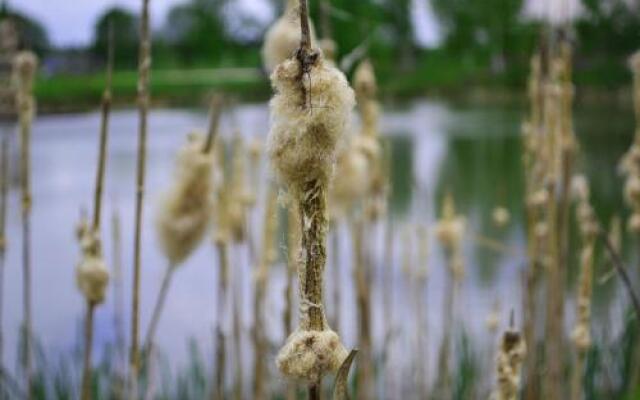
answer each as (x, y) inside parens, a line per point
(125, 37)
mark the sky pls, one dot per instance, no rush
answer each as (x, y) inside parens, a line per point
(70, 22)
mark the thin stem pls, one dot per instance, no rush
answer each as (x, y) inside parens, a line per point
(305, 37)
(104, 133)
(622, 271)
(143, 108)
(314, 389)
(88, 344)
(216, 111)
(218, 392)
(157, 309)
(118, 295)
(4, 164)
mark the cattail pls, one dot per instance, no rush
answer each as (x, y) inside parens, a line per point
(500, 217)
(144, 69)
(511, 355)
(183, 215)
(283, 37)
(241, 196)
(308, 120)
(351, 182)
(185, 210)
(24, 69)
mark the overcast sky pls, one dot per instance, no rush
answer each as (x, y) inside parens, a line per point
(70, 22)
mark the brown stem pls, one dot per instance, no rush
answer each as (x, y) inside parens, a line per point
(88, 345)
(118, 300)
(622, 271)
(143, 109)
(4, 176)
(216, 111)
(364, 371)
(313, 218)
(157, 309)
(292, 266)
(305, 37)
(104, 133)
(314, 391)
(218, 392)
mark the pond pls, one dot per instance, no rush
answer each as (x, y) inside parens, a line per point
(472, 151)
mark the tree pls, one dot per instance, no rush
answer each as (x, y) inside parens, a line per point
(125, 36)
(31, 34)
(196, 30)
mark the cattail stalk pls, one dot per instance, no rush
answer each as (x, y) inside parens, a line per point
(144, 67)
(25, 66)
(267, 258)
(302, 146)
(4, 178)
(293, 246)
(118, 298)
(221, 240)
(364, 373)
(97, 212)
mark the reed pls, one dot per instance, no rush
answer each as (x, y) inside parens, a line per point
(25, 65)
(308, 120)
(118, 298)
(4, 186)
(144, 68)
(421, 276)
(293, 248)
(449, 232)
(581, 335)
(267, 258)
(92, 274)
(221, 240)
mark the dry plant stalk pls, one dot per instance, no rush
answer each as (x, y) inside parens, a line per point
(421, 275)
(25, 65)
(562, 145)
(309, 112)
(581, 335)
(221, 240)
(283, 37)
(449, 232)
(511, 355)
(118, 296)
(293, 248)
(4, 186)
(267, 258)
(364, 373)
(144, 68)
(536, 198)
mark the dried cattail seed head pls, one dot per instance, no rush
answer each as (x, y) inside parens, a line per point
(632, 190)
(450, 227)
(185, 209)
(501, 217)
(308, 355)
(307, 124)
(25, 66)
(634, 223)
(92, 277)
(511, 355)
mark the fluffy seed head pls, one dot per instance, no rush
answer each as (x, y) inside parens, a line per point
(92, 275)
(501, 217)
(511, 355)
(308, 355)
(632, 190)
(185, 209)
(307, 124)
